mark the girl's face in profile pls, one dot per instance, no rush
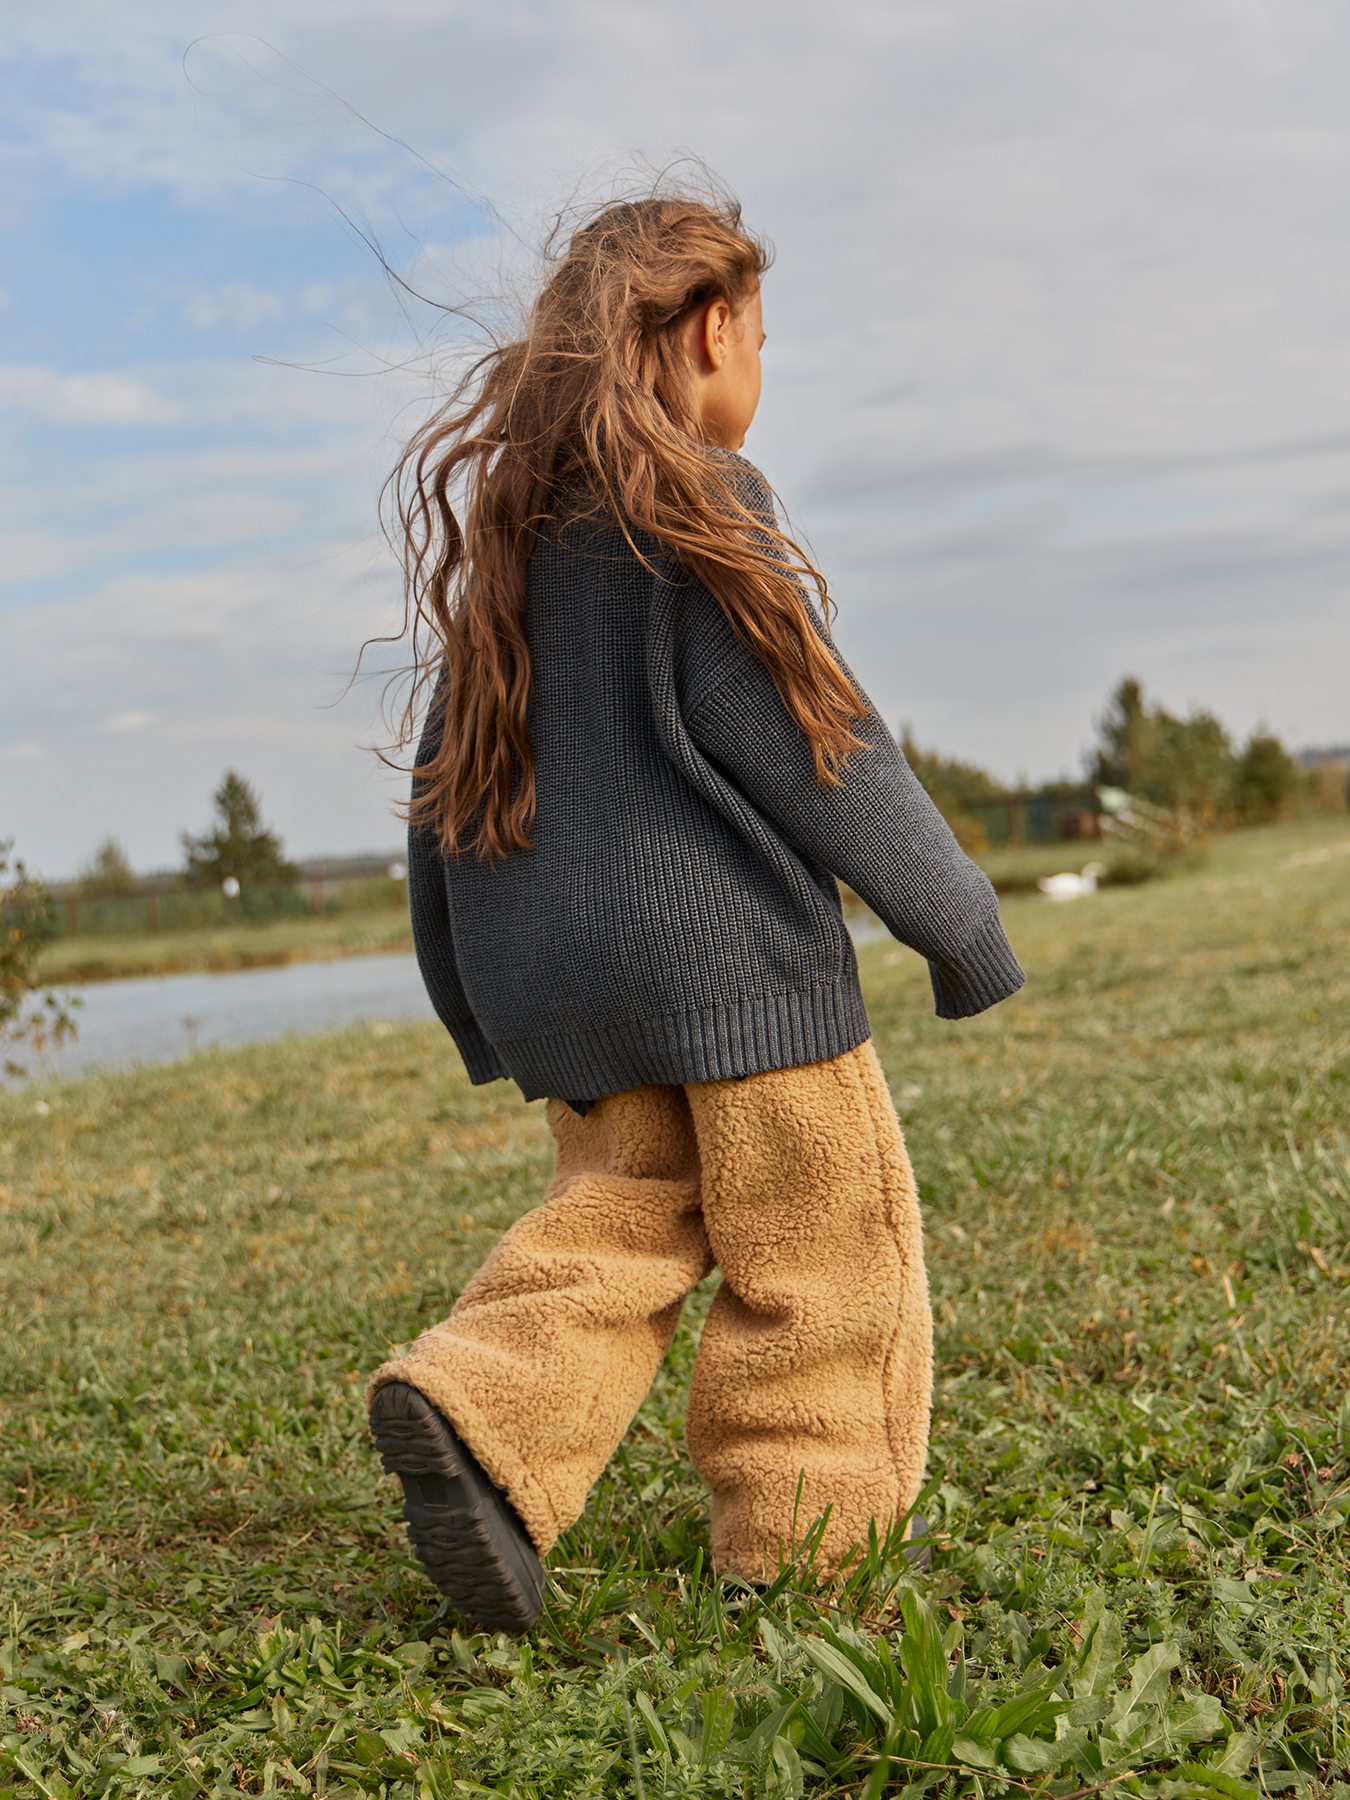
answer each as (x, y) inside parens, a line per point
(725, 353)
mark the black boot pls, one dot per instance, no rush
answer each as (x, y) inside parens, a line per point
(465, 1532)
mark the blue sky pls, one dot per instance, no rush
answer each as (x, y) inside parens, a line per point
(1056, 379)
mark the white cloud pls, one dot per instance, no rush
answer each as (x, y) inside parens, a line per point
(238, 305)
(26, 750)
(210, 505)
(254, 314)
(129, 721)
(281, 463)
(97, 398)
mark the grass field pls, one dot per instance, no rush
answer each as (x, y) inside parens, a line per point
(1136, 1179)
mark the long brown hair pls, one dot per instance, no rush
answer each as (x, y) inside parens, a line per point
(595, 398)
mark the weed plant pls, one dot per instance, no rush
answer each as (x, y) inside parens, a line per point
(1137, 1199)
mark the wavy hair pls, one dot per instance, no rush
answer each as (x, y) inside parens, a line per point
(594, 400)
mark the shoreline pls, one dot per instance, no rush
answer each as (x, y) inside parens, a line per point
(223, 962)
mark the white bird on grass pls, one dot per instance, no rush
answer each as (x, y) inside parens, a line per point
(1070, 886)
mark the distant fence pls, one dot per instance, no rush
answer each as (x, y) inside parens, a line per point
(195, 907)
(1015, 819)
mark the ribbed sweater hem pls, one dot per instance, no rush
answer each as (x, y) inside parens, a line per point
(480, 1059)
(747, 1036)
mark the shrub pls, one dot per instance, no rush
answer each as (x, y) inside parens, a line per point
(1267, 781)
(27, 920)
(376, 893)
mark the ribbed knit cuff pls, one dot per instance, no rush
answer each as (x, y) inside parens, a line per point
(986, 973)
(480, 1059)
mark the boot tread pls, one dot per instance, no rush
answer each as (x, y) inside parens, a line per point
(463, 1530)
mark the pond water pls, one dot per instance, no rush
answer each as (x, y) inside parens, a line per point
(159, 1018)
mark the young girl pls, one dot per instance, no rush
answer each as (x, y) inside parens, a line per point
(644, 764)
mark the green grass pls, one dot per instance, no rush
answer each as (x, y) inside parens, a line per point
(1136, 1179)
(118, 955)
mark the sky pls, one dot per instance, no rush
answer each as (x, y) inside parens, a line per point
(1057, 380)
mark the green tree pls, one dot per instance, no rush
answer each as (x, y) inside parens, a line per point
(108, 871)
(239, 845)
(1190, 765)
(1181, 763)
(1125, 735)
(27, 920)
(1266, 780)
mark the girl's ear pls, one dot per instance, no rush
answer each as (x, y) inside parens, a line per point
(716, 332)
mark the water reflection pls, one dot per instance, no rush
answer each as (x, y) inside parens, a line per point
(159, 1018)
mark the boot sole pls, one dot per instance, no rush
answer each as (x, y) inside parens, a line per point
(463, 1530)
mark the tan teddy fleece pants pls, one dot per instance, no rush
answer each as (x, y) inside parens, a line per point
(816, 1359)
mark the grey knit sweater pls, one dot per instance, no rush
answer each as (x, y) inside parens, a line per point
(677, 919)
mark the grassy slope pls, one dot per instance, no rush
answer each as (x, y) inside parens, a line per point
(1137, 1196)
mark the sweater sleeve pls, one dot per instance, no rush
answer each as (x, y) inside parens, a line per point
(878, 831)
(434, 941)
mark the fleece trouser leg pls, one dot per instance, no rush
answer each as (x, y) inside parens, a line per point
(551, 1347)
(813, 1380)
(815, 1364)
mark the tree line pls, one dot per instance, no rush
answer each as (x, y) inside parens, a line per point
(237, 845)
(1193, 763)
(1189, 765)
